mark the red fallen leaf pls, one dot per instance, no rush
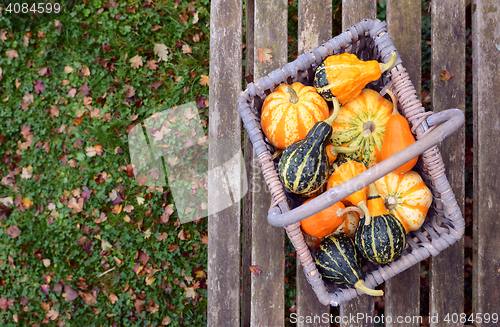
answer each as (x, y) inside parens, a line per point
(88, 299)
(131, 11)
(85, 90)
(86, 193)
(46, 147)
(143, 257)
(45, 288)
(139, 305)
(12, 231)
(445, 75)
(172, 247)
(156, 84)
(201, 101)
(204, 239)
(25, 130)
(5, 303)
(106, 48)
(256, 270)
(137, 268)
(166, 214)
(39, 87)
(71, 294)
(98, 149)
(152, 64)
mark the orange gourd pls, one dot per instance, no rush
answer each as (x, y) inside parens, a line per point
(324, 222)
(344, 170)
(344, 75)
(290, 112)
(397, 137)
(405, 196)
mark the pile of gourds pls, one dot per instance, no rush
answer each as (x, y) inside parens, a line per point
(322, 148)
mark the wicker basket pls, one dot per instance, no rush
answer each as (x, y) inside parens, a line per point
(444, 224)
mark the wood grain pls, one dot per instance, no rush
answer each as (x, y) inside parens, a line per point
(353, 12)
(314, 19)
(224, 262)
(486, 104)
(404, 27)
(268, 295)
(448, 54)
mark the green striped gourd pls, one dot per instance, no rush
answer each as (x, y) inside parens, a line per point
(304, 167)
(382, 237)
(339, 262)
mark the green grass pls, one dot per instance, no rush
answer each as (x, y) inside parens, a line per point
(51, 245)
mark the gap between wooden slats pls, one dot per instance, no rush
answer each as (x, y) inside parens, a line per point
(354, 11)
(402, 292)
(448, 53)
(315, 18)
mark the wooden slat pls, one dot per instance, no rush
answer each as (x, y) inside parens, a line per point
(486, 97)
(315, 18)
(354, 11)
(448, 32)
(246, 293)
(224, 260)
(402, 292)
(268, 299)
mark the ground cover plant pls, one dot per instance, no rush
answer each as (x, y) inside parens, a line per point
(84, 242)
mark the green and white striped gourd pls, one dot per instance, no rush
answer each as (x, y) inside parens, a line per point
(304, 167)
(382, 237)
(339, 262)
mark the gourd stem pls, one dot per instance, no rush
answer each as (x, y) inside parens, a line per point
(362, 206)
(390, 202)
(372, 190)
(294, 98)
(336, 110)
(394, 102)
(342, 212)
(388, 65)
(334, 150)
(360, 285)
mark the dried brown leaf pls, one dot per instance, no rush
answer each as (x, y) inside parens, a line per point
(264, 54)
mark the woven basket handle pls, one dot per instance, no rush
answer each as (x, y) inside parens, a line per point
(452, 119)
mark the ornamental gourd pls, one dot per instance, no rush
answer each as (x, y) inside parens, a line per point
(397, 137)
(326, 221)
(342, 171)
(350, 223)
(381, 238)
(339, 262)
(334, 151)
(405, 196)
(344, 76)
(303, 167)
(361, 122)
(290, 112)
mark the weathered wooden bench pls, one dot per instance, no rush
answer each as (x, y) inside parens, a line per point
(240, 236)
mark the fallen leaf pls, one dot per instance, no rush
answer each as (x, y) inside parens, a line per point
(166, 321)
(76, 205)
(85, 71)
(12, 231)
(46, 262)
(196, 37)
(186, 49)
(139, 305)
(88, 298)
(27, 172)
(54, 111)
(136, 61)
(156, 84)
(12, 54)
(140, 200)
(52, 314)
(117, 208)
(155, 28)
(161, 51)
(43, 71)
(162, 237)
(172, 247)
(445, 75)
(204, 80)
(3, 35)
(204, 239)
(69, 293)
(39, 87)
(113, 298)
(256, 270)
(17, 83)
(166, 213)
(152, 64)
(189, 293)
(264, 54)
(68, 69)
(72, 92)
(27, 202)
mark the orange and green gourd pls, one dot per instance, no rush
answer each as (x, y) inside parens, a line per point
(380, 238)
(290, 112)
(361, 123)
(405, 196)
(344, 76)
(397, 137)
